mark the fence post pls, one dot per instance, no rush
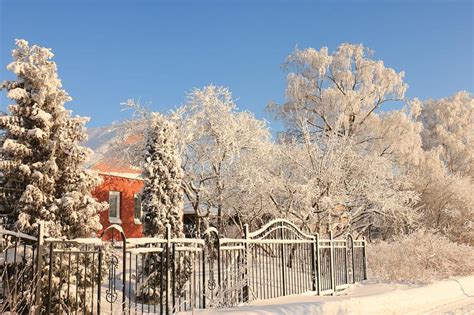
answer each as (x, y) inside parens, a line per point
(364, 256)
(283, 277)
(333, 282)
(39, 267)
(313, 265)
(318, 266)
(218, 245)
(99, 281)
(245, 292)
(346, 260)
(349, 236)
(50, 276)
(168, 268)
(204, 249)
(124, 271)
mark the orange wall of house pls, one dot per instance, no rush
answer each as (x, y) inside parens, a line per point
(127, 188)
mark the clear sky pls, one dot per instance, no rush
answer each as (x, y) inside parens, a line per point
(157, 51)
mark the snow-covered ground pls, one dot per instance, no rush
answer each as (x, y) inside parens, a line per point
(454, 296)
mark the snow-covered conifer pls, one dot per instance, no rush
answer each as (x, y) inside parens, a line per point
(42, 160)
(162, 201)
(162, 192)
(43, 165)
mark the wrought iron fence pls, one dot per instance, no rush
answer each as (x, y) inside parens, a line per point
(19, 271)
(169, 275)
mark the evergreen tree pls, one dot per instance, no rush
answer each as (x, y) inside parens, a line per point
(162, 205)
(42, 161)
(42, 164)
(162, 192)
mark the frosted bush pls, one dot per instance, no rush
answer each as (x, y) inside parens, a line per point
(419, 257)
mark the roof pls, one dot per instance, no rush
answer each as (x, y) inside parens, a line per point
(108, 164)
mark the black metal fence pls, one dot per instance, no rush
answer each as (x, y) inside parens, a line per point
(169, 275)
(18, 272)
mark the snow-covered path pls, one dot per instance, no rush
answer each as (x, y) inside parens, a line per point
(454, 296)
(461, 307)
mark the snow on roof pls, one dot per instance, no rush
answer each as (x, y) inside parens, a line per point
(115, 167)
(101, 140)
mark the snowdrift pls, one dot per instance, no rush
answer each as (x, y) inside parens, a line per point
(381, 298)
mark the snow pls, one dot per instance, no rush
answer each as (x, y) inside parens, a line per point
(455, 296)
(17, 234)
(17, 94)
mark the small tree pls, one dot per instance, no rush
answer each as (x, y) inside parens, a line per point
(162, 192)
(162, 204)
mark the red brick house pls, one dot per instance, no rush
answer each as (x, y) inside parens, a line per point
(121, 188)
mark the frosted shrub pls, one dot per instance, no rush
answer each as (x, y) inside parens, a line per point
(419, 257)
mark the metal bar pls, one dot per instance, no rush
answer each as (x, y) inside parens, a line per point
(124, 271)
(245, 292)
(69, 277)
(39, 267)
(173, 277)
(168, 271)
(318, 265)
(204, 277)
(85, 282)
(50, 275)
(364, 257)
(333, 287)
(346, 266)
(92, 283)
(350, 244)
(130, 283)
(162, 289)
(99, 281)
(313, 266)
(282, 263)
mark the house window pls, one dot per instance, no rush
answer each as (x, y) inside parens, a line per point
(114, 207)
(137, 210)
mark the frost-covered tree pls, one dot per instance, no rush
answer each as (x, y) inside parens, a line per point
(326, 184)
(337, 141)
(337, 91)
(219, 148)
(42, 161)
(343, 93)
(444, 177)
(162, 202)
(162, 193)
(449, 128)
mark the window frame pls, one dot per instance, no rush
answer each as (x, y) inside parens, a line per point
(115, 219)
(135, 219)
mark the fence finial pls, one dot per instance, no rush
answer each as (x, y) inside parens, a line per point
(168, 230)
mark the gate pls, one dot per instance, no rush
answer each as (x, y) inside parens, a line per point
(281, 260)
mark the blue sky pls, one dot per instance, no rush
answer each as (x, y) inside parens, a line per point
(157, 51)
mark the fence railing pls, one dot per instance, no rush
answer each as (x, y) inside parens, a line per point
(169, 275)
(19, 276)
